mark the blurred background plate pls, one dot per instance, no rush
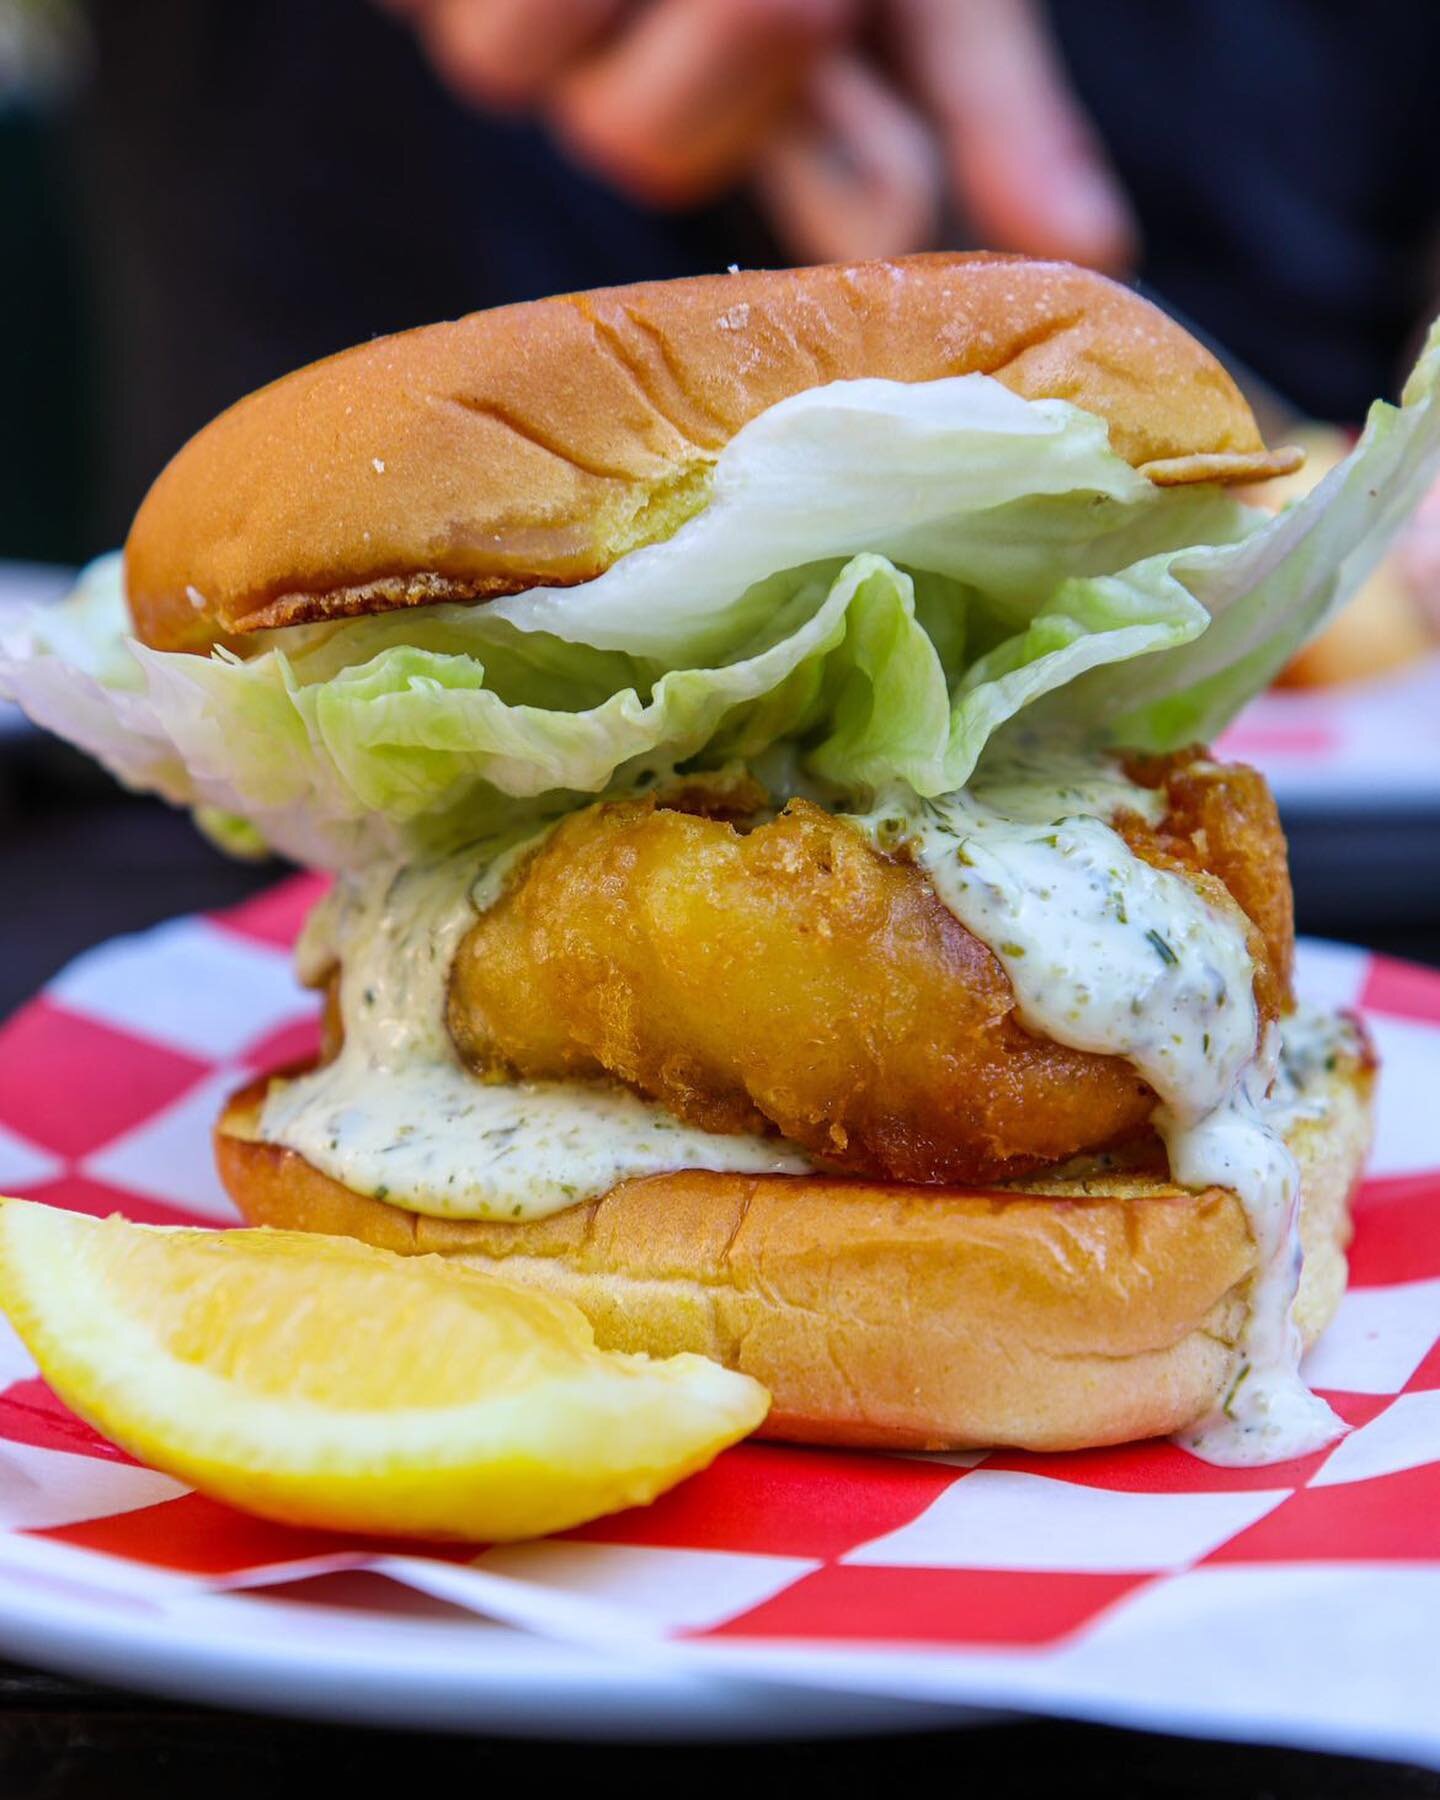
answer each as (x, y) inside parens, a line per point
(1356, 771)
(1348, 747)
(22, 583)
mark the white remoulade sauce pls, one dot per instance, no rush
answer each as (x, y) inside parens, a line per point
(397, 1116)
(1105, 953)
(1110, 955)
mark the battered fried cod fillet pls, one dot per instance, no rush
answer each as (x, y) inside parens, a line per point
(794, 978)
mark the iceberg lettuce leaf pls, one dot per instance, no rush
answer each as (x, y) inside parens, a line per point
(886, 576)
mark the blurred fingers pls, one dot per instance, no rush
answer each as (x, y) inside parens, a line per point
(678, 105)
(1026, 164)
(504, 53)
(854, 173)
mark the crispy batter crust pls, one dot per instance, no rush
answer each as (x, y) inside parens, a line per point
(793, 978)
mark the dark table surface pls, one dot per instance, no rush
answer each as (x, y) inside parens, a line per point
(79, 863)
(60, 1740)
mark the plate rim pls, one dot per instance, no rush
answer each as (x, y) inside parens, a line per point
(519, 1684)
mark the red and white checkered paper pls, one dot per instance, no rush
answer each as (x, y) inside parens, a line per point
(1138, 1584)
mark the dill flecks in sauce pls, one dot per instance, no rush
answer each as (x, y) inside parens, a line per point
(397, 1116)
(1107, 954)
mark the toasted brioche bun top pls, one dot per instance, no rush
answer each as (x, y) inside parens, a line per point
(534, 445)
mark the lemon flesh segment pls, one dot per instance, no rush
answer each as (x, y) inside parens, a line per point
(318, 1381)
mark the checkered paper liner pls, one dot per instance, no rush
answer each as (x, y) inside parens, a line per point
(1138, 1584)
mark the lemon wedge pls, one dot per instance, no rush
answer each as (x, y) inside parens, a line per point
(317, 1381)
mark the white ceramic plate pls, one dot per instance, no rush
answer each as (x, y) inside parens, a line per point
(361, 1650)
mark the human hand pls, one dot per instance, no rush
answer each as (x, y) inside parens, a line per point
(853, 150)
(670, 101)
(976, 104)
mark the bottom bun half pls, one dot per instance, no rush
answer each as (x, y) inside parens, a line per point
(1051, 1316)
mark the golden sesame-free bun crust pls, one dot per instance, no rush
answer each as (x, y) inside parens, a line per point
(1052, 1316)
(533, 445)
